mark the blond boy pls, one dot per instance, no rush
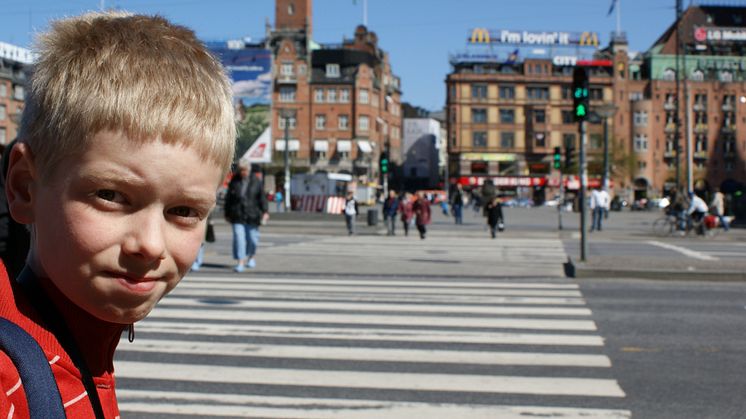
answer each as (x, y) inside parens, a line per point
(127, 132)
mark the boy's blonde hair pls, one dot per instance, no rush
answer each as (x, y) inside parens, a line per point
(139, 75)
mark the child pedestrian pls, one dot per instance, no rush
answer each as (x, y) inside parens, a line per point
(127, 131)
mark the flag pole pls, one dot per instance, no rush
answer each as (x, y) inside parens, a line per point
(618, 17)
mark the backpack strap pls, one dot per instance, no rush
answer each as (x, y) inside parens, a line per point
(42, 394)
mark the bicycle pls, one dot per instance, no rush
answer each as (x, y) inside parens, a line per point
(667, 225)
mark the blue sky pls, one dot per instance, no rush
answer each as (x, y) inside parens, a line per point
(418, 34)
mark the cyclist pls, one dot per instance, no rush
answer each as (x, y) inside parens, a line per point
(696, 212)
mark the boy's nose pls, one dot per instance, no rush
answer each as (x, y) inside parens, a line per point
(145, 238)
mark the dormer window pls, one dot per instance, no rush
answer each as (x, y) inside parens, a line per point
(332, 70)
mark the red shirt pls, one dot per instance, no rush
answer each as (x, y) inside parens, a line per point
(96, 341)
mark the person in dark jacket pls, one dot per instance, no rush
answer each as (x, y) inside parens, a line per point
(390, 208)
(495, 219)
(457, 204)
(246, 208)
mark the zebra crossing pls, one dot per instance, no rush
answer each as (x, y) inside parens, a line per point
(322, 346)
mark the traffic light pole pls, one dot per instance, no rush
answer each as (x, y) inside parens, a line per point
(583, 169)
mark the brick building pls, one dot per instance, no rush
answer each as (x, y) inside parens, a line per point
(712, 111)
(341, 102)
(14, 65)
(506, 115)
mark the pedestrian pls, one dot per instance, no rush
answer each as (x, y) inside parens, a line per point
(351, 211)
(457, 204)
(495, 220)
(279, 201)
(421, 209)
(406, 211)
(717, 206)
(390, 208)
(15, 238)
(597, 204)
(209, 238)
(127, 131)
(246, 208)
(488, 194)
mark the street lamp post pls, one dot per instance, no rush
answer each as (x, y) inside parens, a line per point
(606, 111)
(287, 114)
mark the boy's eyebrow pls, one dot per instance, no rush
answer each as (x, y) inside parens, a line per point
(139, 182)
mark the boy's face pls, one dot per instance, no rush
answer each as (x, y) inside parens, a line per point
(118, 227)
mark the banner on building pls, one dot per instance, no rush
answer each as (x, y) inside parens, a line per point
(546, 38)
(249, 68)
(261, 150)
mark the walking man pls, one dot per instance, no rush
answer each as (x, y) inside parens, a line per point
(350, 212)
(390, 208)
(457, 204)
(246, 208)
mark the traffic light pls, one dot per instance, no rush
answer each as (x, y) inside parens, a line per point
(384, 162)
(557, 158)
(580, 94)
(569, 154)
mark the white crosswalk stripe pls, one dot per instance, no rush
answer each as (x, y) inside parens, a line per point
(341, 347)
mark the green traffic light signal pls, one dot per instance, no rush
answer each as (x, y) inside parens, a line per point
(580, 111)
(557, 158)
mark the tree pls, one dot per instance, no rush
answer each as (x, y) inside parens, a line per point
(254, 122)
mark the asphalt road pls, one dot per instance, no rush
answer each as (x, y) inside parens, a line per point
(457, 325)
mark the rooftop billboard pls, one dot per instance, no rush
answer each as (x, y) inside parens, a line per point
(249, 68)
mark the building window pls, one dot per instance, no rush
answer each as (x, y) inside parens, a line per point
(540, 116)
(479, 115)
(568, 117)
(700, 144)
(281, 122)
(286, 69)
(363, 96)
(318, 95)
(726, 76)
(596, 93)
(698, 75)
(596, 140)
(344, 96)
(568, 140)
(729, 145)
(363, 123)
(635, 96)
(641, 165)
(566, 92)
(729, 166)
(540, 139)
(641, 143)
(479, 139)
(479, 91)
(320, 121)
(344, 122)
(331, 95)
(669, 74)
(479, 168)
(700, 118)
(3, 90)
(700, 100)
(507, 92)
(2, 112)
(302, 69)
(507, 116)
(18, 92)
(640, 119)
(537, 93)
(287, 93)
(332, 70)
(507, 140)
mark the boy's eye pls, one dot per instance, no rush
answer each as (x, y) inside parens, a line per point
(108, 195)
(184, 212)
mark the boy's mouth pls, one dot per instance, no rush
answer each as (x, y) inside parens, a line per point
(135, 283)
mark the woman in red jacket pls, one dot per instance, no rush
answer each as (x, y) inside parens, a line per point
(421, 208)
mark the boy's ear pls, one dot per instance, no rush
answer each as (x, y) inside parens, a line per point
(19, 183)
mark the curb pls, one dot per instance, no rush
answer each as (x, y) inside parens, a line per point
(581, 270)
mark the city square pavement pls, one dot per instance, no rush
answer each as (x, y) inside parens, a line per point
(626, 247)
